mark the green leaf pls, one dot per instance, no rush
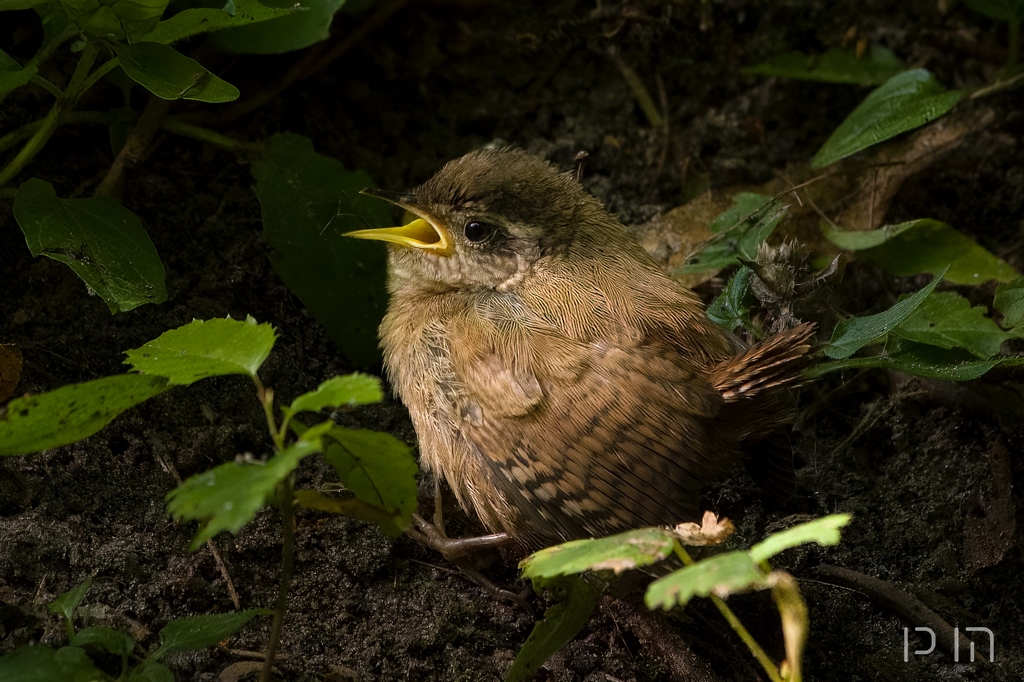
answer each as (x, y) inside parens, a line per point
(111, 641)
(852, 335)
(874, 67)
(738, 232)
(859, 240)
(307, 201)
(906, 101)
(932, 362)
(294, 32)
(351, 389)
(562, 621)
(98, 238)
(731, 308)
(202, 349)
(228, 496)
(1003, 10)
(65, 604)
(925, 245)
(916, 359)
(824, 531)
(12, 74)
(199, 632)
(43, 664)
(618, 553)
(722, 575)
(71, 413)
(1010, 302)
(115, 19)
(378, 468)
(948, 320)
(168, 74)
(191, 22)
(148, 671)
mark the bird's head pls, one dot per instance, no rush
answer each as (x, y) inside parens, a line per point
(484, 219)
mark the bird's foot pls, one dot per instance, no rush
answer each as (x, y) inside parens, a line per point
(458, 550)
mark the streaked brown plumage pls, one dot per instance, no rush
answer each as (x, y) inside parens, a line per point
(560, 382)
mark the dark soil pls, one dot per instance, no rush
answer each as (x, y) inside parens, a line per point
(930, 470)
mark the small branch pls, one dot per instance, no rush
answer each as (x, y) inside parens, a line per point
(100, 73)
(55, 116)
(47, 85)
(29, 129)
(179, 127)
(287, 569)
(136, 147)
(47, 50)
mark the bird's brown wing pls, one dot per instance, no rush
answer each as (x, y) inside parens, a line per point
(585, 439)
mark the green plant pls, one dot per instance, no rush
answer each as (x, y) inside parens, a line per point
(376, 468)
(129, 43)
(715, 577)
(73, 662)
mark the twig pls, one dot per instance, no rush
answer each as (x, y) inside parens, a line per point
(136, 148)
(908, 607)
(285, 504)
(232, 593)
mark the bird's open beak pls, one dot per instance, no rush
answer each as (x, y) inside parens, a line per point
(423, 232)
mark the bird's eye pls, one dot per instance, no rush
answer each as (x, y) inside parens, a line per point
(477, 231)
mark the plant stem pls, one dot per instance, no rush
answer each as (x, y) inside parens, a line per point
(47, 50)
(734, 622)
(266, 397)
(100, 73)
(54, 117)
(29, 129)
(173, 125)
(285, 495)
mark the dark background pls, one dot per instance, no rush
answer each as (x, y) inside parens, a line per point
(930, 470)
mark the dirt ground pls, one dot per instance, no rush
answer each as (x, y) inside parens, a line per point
(931, 471)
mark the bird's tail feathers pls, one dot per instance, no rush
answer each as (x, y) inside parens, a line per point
(774, 362)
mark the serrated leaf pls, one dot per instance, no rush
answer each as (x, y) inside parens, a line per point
(228, 496)
(731, 308)
(824, 531)
(111, 641)
(925, 245)
(906, 101)
(71, 413)
(199, 632)
(1010, 302)
(168, 74)
(351, 389)
(307, 201)
(948, 320)
(835, 66)
(299, 30)
(65, 604)
(738, 232)
(98, 238)
(562, 621)
(378, 468)
(618, 553)
(194, 21)
(852, 335)
(722, 575)
(204, 349)
(1003, 10)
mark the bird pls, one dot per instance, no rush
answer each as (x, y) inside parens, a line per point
(558, 379)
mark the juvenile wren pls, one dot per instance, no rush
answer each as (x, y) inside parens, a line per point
(559, 380)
